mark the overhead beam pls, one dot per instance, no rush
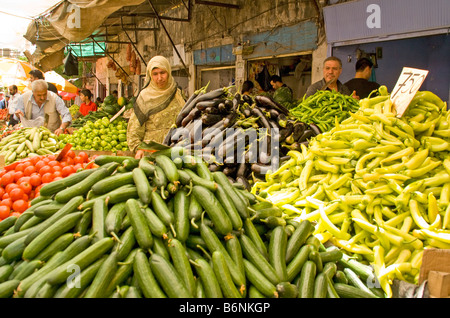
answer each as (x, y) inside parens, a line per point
(170, 38)
(218, 4)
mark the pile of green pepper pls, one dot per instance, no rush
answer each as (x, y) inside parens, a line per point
(324, 108)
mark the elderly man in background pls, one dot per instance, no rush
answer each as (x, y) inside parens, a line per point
(40, 102)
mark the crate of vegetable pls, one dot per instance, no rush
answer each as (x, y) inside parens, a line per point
(242, 136)
(376, 185)
(165, 226)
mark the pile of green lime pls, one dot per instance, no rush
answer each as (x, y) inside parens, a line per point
(100, 135)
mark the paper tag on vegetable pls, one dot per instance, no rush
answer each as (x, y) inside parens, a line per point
(406, 88)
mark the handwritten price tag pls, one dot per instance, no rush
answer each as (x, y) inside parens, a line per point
(406, 88)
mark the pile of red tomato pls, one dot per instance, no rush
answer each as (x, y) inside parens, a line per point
(21, 181)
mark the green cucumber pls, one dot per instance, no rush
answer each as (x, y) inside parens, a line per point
(161, 209)
(81, 228)
(213, 208)
(112, 182)
(168, 166)
(124, 270)
(355, 281)
(139, 224)
(84, 279)
(297, 239)
(59, 258)
(277, 252)
(24, 217)
(197, 180)
(5, 271)
(82, 260)
(168, 277)
(46, 211)
(329, 269)
(315, 257)
(223, 276)
(240, 204)
(56, 186)
(142, 185)
(340, 277)
(159, 178)
(99, 212)
(160, 247)
(145, 277)
(46, 291)
(8, 239)
(181, 215)
(157, 227)
(195, 209)
(125, 244)
(214, 244)
(118, 195)
(7, 223)
(103, 277)
(254, 293)
(234, 249)
(252, 232)
(259, 280)
(147, 166)
(68, 208)
(348, 291)
(29, 268)
(331, 291)
(181, 263)
(59, 244)
(14, 251)
(251, 253)
(229, 207)
(114, 218)
(7, 288)
(320, 286)
(287, 290)
(82, 187)
(209, 281)
(51, 233)
(295, 265)
(306, 281)
(331, 256)
(105, 159)
(202, 170)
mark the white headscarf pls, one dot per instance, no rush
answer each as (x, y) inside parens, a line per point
(152, 99)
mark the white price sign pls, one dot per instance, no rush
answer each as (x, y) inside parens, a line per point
(406, 88)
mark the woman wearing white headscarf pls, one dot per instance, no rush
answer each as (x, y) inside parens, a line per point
(156, 107)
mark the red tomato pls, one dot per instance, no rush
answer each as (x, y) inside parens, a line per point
(56, 174)
(70, 154)
(46, 160)
(7, 178)
(51, 157)
(20, 206)
(35, 180)
(45, 169)
(5, 196)
(2, 191)
(10, 187)
(29, 170)
(26, 164)
(18, 175)
(16, 214)
(58, 178)
(57, 168)
(67, 170)
(24, 179)
(35, 160)
(26, 187)
(4, 211)
(78, 160)
(7, 202)
(83, 155)
(39, 164)
(19, 167)
(53, 163)
(78, 166)
(69, 161)
(16, 194)
(47, 177)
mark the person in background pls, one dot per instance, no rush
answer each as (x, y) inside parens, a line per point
(156, 108)
(115, 93)
(87, 104)
(15, 95)
(98, 101)
(4, 102)
(40, 102)
(360, 83)
(332, 69)
(247, 88)
(37, 74)
(283, 93)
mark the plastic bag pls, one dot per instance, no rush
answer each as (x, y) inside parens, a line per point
(38, 122)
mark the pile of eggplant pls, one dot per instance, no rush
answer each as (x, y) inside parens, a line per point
(214, 125)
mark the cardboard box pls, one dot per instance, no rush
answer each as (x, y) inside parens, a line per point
(435, 269)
